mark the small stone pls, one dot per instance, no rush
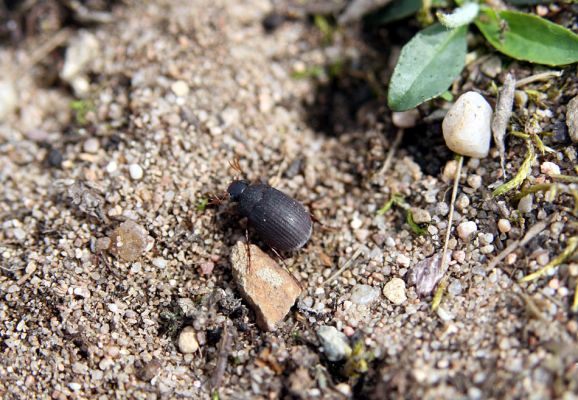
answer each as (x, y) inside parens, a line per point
(83, 48)
(427, 273)
(466, 229)
(403, 260)
(455, 288)
(486, 238)
(511, 259)
(450, 170)
(504, 226)
(520, 98)
(91, 145)
(82, 292)
(459, 256)
(180, 88)
(420, 216)
(8, 98)
(525, 203)
(492, 66)
(462, 202)
(405, 119)
(129, 241)
(549, 168)
(111, 167)
(364, 294)
(74, 386)
(267, 287)
(444, 314)
(187, 341)
(135, 171)
(334, 343)
(475, 181)
(487, 249)
(394, 291)
(572, 119)
(356, 223)
(466, 126)
(19, 234)
(160, 262)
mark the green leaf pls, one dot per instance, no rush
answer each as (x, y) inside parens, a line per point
(528, 37)
(394, 11)
(427, 66)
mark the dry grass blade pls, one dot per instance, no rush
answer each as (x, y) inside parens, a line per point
(521, 175)
(567, 253)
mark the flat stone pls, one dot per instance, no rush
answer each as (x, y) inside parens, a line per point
(269, 289)
(572, 119)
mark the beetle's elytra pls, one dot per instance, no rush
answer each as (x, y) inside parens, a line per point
(280, 221)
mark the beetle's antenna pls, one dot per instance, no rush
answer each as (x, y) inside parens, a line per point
(236, 165)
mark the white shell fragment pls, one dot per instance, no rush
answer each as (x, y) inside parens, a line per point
(466, 126)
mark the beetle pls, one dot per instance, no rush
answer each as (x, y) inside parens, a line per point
(280, 221)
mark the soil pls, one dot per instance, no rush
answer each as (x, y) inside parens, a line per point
(179, 89)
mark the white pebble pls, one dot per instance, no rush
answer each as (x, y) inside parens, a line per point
(466, 127)
(394, 291)
(549, 168)
(74, 386)
(356, 223)
(159, 262)
(405, 119)
(572, 119)
(475, 181)
(188, 340)
(135, 171)
(8, 98)
(111, 167)
(180, 88)
(450, 170)
(402, 260)
(91, 145)
(466, 229)
(504, 225)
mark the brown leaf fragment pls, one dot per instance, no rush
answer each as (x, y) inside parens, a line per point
(502, 116)
(426, 274)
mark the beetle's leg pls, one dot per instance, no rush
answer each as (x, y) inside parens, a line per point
(248, 247)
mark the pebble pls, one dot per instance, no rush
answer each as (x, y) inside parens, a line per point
(187, 341)
(403, 260)
(334, 343)
(136, 172)
(405, 119)
(450, 170)
(462, 202)
(356, 223)
(82, 49)
(268, 288)
(491, 67)
(549, 168)
(74, 386)
(129, 241)
(394, 291)
(466, 126)
(364, 294)
(504, 226)
(91, 145)
(520, 98)
(180, 88)
(525, 204)
(420, 216)
(8, 99)
(444, 314)
(572, 119)
(466, 229)
(455, 288)
(160, 262)
(475, 181)
(19, 234)
(111, 167)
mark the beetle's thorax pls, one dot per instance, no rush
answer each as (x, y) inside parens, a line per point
(250, 197)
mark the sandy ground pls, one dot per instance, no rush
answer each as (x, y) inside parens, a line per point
(179, 89)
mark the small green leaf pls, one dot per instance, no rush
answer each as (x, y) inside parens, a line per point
(418, 230)
(394, 11)
(528, 37)
(427, 66)
(202, 205)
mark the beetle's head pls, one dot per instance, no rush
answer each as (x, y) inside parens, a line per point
(236, 189)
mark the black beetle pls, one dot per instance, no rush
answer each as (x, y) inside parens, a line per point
(280, 221)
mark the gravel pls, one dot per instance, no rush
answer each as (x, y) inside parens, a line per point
(87, 304)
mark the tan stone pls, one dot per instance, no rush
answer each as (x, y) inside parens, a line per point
(268, 288)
